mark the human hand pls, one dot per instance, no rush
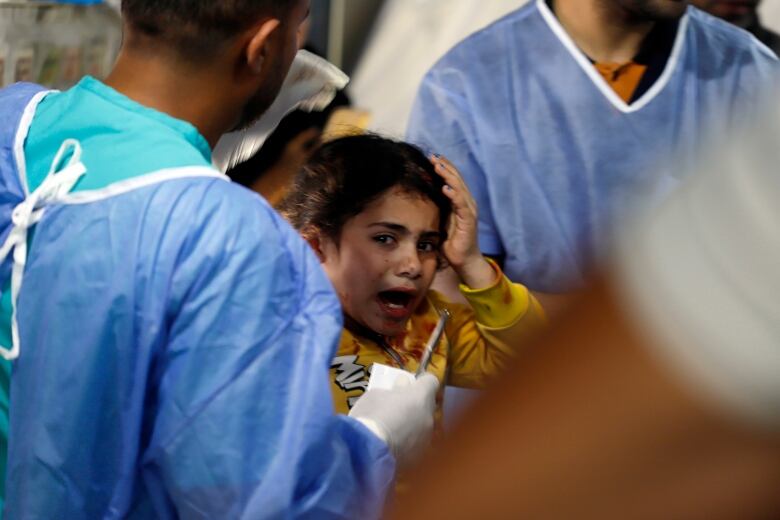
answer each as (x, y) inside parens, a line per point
(461, 249)
(401, 416)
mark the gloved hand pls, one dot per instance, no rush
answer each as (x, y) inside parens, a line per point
(402, 417)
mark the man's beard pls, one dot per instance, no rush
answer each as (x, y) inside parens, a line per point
(654, 10)
(261, 101)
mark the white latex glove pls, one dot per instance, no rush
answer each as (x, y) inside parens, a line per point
(402, 417)
(311, 84)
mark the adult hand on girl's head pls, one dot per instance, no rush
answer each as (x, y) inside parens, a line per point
(461, 249)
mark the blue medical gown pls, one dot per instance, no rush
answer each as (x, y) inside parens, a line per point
(175, 345)
(553, 158)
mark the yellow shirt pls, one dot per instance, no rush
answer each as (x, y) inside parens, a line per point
(478, 340)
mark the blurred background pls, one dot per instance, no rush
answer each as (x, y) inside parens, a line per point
(55, 44)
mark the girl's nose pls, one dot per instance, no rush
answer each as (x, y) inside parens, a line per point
(409, 265)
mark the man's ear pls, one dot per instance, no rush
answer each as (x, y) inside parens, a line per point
(258, 47)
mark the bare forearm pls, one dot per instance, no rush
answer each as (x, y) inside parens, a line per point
(476, 274)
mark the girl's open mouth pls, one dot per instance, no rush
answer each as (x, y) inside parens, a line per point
(396, 304)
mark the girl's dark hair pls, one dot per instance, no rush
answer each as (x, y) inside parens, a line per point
(345, 175)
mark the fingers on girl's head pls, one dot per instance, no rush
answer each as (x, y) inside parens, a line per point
(439, 159)
(450, 193)
(442, 168)
(435, 160)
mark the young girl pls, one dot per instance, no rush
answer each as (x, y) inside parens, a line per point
(383, 219)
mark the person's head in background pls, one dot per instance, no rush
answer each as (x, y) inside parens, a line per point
(235, 53)
(741, 13)
(374, 211)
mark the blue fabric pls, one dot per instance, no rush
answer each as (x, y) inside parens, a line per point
(175, 345)
(551, 161)
(11, 193)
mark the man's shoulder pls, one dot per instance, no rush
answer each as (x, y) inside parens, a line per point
(224, 205)
(725, 38)
(191, 204)
(241, 216)
(213, 224)
(19, 92)
(492, 39)
(771, 39)
(239, 229)
(14, 100)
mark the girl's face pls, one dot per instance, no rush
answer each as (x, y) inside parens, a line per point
(385, 260)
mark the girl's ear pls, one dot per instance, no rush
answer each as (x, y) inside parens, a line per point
(316, 244)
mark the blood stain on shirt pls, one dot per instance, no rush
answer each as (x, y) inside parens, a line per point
(507, 296)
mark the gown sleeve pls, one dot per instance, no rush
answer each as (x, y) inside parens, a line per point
(244, 426)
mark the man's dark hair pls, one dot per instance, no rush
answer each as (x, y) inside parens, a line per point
(197, 28)
(346, 175)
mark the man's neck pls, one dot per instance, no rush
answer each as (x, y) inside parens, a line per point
(604, 31)
(184, 93)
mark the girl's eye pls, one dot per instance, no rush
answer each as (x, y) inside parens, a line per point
(384, 239)
(428, 247)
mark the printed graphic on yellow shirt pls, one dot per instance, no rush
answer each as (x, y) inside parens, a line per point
(350, 376)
